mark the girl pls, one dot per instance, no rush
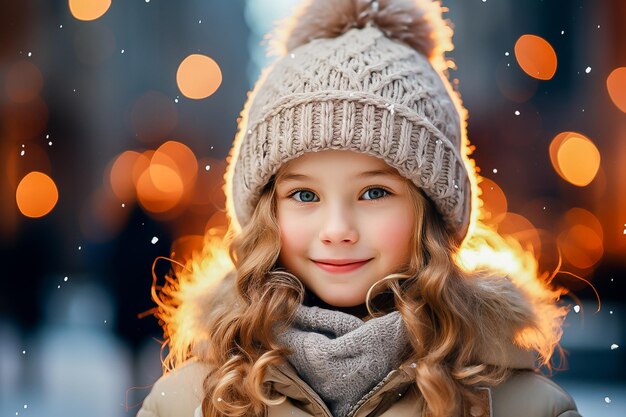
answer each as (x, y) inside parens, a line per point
(350, 198)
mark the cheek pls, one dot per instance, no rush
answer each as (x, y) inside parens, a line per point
(293, 233)
(394, 233)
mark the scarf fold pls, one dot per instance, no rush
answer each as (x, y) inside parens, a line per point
(341, 356)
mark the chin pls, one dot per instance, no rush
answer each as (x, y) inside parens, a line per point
(336, 301)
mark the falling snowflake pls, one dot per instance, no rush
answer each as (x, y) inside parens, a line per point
(607, 400)
(208, 167)
(614, 346)
(588, 70)
(576, 308)
(154, 240)
(495, 170)
(65, 279)
(517, 113)
(506, 54)
(562, 32)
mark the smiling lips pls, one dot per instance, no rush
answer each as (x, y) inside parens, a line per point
(340, 265)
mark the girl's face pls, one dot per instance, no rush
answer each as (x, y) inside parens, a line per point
(345, 222)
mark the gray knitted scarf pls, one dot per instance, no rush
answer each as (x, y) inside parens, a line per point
(341, 356)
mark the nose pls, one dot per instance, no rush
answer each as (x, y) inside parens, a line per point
(338, 226)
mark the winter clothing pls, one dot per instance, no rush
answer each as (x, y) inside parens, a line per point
(342, 357)
(524, 394)
(366, 76)
(499, 302)
(362, 91)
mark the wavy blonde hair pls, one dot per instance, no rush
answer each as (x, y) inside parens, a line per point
(435, 297)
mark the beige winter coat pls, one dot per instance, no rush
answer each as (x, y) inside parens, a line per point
(503, 304)
(525, 394)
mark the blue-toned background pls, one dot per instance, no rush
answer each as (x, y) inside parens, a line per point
(89, 103)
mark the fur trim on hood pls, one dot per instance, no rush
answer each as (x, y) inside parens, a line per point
(522, 321)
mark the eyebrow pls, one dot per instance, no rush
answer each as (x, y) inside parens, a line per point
(367, 174)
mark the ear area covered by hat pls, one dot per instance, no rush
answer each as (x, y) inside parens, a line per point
(362, 76)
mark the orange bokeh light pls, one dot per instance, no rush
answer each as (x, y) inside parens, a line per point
(581, 246)
(616, 84)
(198, 76)
(36, 194)
(159, 188)
(121, 175)
(494, 201)
(23, 82)
(88, 9)
(536, 57)
(519, 227)
(581, 239)
(180, 158)
(575, 158)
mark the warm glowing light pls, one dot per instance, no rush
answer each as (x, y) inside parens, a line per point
(180, 158)
(23, 82)
(184, 248)
(121, 175)
(518, 226)
(494, 201)
(616, 84)
(88, 9)
(581, 239)
(141, 164)
(536, 57)
(154, 117)
(159, 188)
(36, 194)
(581, 246)
(575, 158)
(198, 76)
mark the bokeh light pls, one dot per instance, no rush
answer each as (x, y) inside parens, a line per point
(519, 227)
(180, 158)
(581, 238)
(35, 158)
(536, 57)
(494, 201)
(159, 188)
(616, 84)
(575, 158)
(198, 76)
(23, 82)
(121, 175)
(36, 195)
(88, 9)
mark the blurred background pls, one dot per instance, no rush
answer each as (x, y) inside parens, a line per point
(116, 118)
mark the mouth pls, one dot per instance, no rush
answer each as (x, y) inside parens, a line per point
(340, 265)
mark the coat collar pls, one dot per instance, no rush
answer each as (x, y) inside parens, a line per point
(399, 382)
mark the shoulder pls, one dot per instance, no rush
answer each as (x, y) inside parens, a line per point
(177, 393)
(529, 394)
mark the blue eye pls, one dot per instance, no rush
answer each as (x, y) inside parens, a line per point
(375, 193)
(305, 196)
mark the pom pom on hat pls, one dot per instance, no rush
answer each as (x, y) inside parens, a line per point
(417, 23)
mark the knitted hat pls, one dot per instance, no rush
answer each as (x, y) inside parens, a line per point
(364, 76)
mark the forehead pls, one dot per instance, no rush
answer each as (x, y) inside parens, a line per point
(335, 163)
